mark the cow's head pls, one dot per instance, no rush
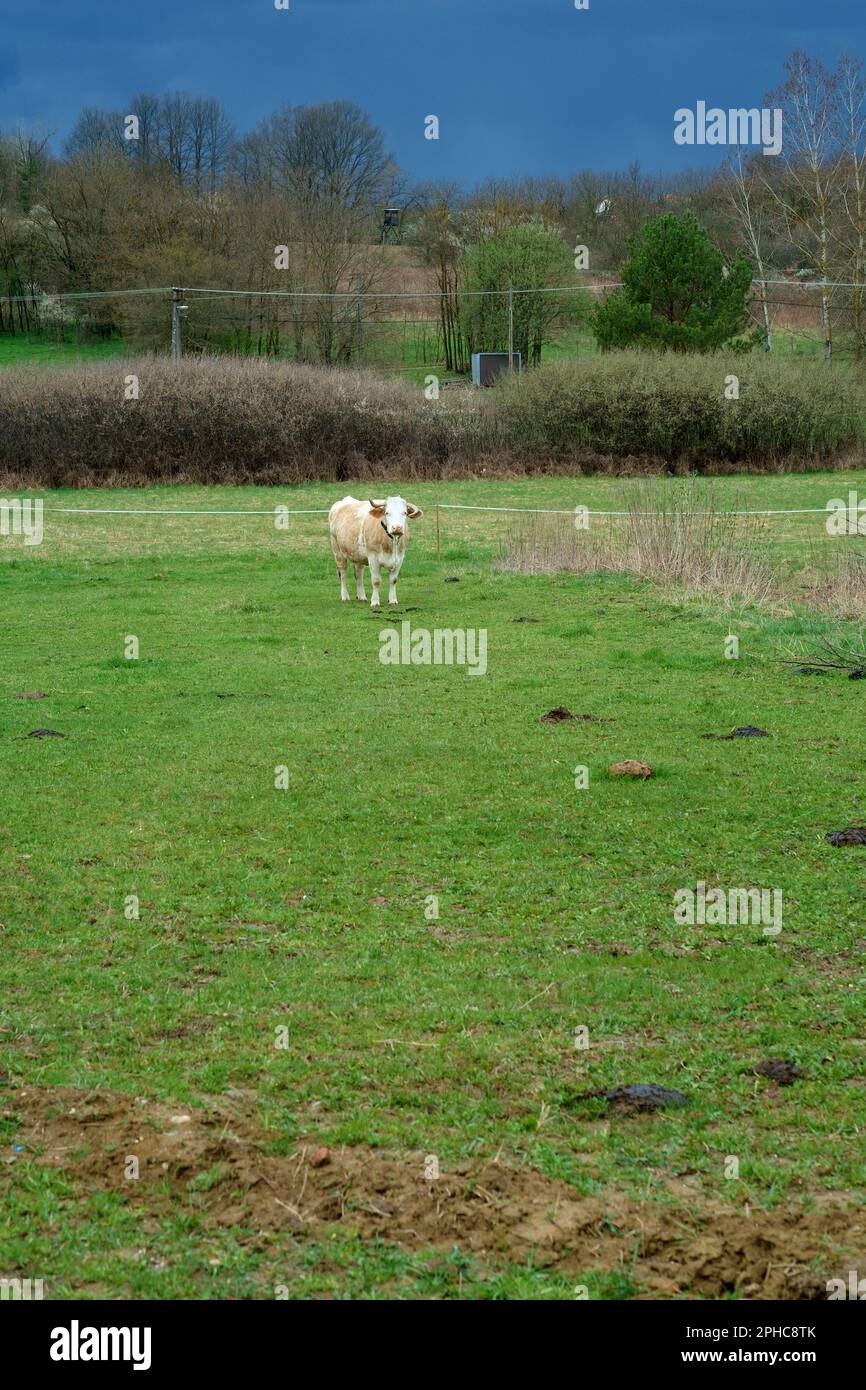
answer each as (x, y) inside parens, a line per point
(393, 513)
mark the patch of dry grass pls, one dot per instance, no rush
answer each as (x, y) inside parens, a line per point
(671, 533)
(839, 589)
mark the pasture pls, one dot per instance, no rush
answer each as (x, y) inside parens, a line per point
(286, 985)
(409, 347)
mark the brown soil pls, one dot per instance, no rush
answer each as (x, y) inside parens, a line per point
(780, 1070)
(632, 767)
(683, 1247)
(746, 731)
(852, 835)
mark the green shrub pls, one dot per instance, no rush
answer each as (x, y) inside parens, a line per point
(673, 408)
(678, 292)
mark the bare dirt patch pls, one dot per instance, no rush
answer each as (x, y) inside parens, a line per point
(745, 731)
(216, 1160)
(851, 835)
(560, 715)
(780, 1070)
(632, 767)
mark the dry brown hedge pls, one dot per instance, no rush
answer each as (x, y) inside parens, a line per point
(236, 420)
(228, 420)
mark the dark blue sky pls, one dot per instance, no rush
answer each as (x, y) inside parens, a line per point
(520, 86)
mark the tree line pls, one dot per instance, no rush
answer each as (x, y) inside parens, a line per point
(167, 192)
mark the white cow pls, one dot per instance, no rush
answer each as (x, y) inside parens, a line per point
(371, 533)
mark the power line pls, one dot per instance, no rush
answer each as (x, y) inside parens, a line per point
(40, 295)
(209, 292)
(355, 295)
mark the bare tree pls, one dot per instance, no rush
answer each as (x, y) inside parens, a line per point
(748, 201)
(807, 197)
(851, 116)
(82, 222)
(15, 247)
(175, 133)
(210, 139)
(96, 129)
(146, 149)
(332, 153)
(328, 169)
(440, 233)
(604, 209)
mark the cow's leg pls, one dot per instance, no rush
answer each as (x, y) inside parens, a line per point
(359, 582)
(374, 575)
(341, 570)
(398, 565)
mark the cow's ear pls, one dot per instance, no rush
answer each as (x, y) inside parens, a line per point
(376, 508)
(414, 512)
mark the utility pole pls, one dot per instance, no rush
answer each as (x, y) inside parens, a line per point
(177, 308)
(359, 317)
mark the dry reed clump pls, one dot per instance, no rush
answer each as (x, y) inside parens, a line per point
(229, 420)
(671, 533)
(848, 585)
(839, 574)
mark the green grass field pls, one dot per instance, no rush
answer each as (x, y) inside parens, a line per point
(409, 348)
(43, 350)
(308, 910)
